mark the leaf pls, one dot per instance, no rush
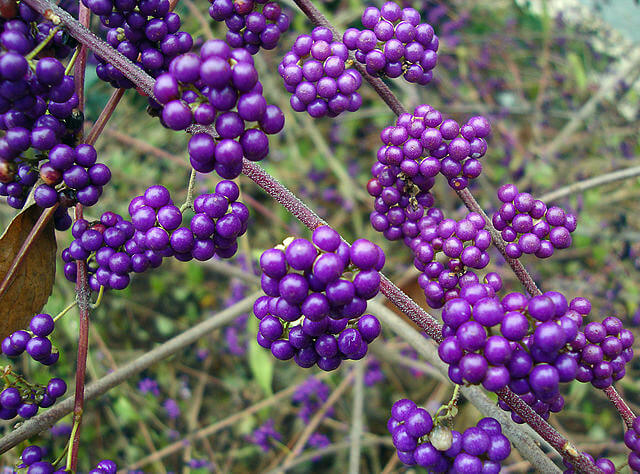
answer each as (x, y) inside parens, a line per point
(579, 74)
(32, 281)
(260, 361)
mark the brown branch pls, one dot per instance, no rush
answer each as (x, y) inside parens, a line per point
(104, 117)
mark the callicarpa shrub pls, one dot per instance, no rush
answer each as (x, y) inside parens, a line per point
(319, 300)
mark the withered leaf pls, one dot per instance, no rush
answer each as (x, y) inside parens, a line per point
(32, 282)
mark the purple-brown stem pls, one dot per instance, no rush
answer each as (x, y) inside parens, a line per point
(625, 411)
(82, 281)
(84, 15)
(82, 295)
(311, 220)
(104, 117)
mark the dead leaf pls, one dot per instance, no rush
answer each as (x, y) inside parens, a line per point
(33, 280)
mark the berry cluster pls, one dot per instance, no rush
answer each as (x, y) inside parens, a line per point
(32, 458)
(400, 200)
(418, 440)
(426, 144)
(20, 397)
(78, 170)
(529, 226)
(23, 29)
(314, 71)
(316, 296)
(539, 345)
(632, 441)
(144, 31)
(37, 345)
(115, 247)
(219, 86)
(36, 112)
(394, 43)
(464, 243)
(604, 349)
(252, 24)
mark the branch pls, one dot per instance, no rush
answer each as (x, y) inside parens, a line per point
(94, 390)
(104, 117)
(334, 448)
(83, 291)
(591, 183)
(625, 412)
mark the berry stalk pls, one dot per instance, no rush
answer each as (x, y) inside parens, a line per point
(82, 284)
(625, 411)
(82, 296)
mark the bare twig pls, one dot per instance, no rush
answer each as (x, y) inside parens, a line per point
(594, 182)
(333, 448)
(104, 117)
(315, 421)
(48, 418)
(217, 426)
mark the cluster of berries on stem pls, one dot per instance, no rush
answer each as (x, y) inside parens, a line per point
(316, 297)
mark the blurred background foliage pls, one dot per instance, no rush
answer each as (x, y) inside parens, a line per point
(530, 73)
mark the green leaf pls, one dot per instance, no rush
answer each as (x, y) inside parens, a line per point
(576, 66)
(260, 361)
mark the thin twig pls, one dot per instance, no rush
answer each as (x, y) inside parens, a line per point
(83, 291)
(48, 418)
(217, 426)
(83, 297)
(315, 421)
(334, 448)
(596, 181)
(104, 117)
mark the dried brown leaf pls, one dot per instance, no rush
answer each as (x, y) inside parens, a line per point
(32, 281)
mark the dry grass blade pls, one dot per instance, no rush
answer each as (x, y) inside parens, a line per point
(26, 287)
